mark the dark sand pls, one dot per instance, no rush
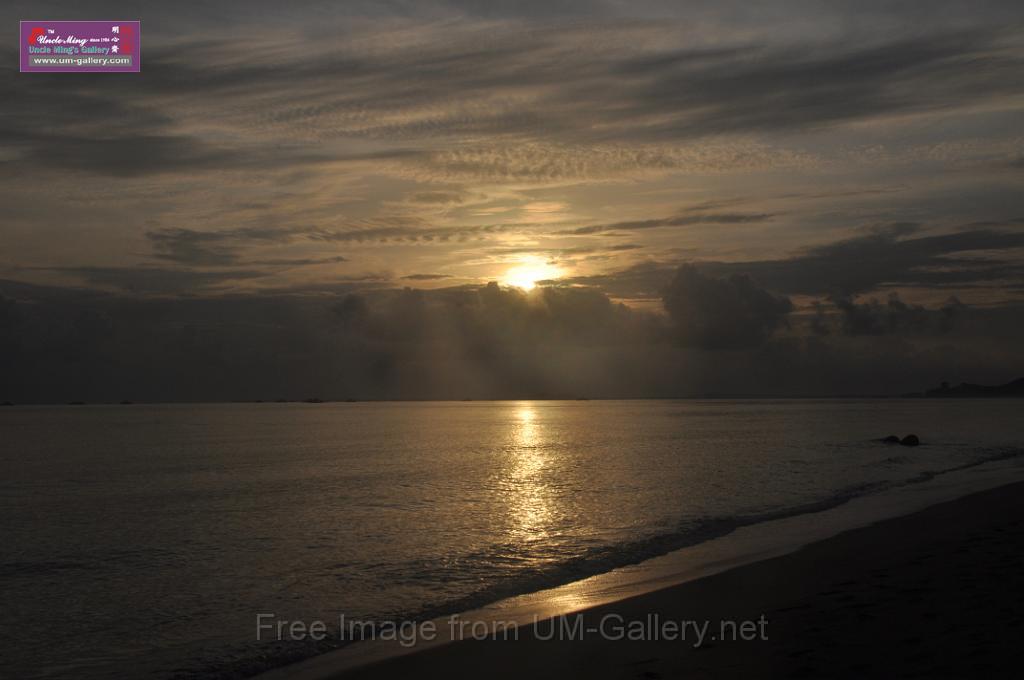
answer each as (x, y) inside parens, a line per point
(939, 593)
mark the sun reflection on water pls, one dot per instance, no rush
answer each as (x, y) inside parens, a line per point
(528, 478)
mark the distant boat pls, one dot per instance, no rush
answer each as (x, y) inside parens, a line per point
(313, 400)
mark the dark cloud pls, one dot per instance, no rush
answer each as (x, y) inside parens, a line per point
(582, 90)
(892, 230)
(352, 311)
(643, 280)
(157, 280)
(761, 90)
(438, 197)
(296, 261)
(407, 230)
(482, 342)
(129, 155)
(689, 93)
(187, 246)
(79, 135)
(727, 313)
(864, 263)
(192, 246)
(629, 96)
(879, 256)
(894, 316)
(223, 248)
(676, 221)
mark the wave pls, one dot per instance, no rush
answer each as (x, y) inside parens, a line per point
(592, 561)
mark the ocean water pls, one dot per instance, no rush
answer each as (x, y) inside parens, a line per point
(142, 541)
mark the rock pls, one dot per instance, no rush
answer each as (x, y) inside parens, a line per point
(910, 440)
(891, 439)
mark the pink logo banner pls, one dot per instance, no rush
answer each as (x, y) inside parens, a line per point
(81, 46)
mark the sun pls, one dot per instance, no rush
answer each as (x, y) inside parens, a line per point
(527, 275)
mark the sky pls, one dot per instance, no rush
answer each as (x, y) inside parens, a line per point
(517, 199)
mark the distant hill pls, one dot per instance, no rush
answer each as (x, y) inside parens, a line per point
(1010, 389)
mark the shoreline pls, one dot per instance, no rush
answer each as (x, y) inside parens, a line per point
(637, 589)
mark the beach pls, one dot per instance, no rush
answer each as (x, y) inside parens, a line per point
(937, 593)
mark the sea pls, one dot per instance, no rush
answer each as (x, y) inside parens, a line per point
(143, 541)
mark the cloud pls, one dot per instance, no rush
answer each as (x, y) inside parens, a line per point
(436, 197)
(894, 316)
(878, 256)
(553, 161)
(761, 89)
(297, 261)
(643, 280)
(223, 248)
(157, 280)
(676, 221)
(865, 262)
(564, 101)
(426, 277)
(59, 344)
(187, 246)
(585, 84)
(727, 313)
(567, 254)
(403, 132)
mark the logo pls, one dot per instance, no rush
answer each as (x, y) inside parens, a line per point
(81, 47)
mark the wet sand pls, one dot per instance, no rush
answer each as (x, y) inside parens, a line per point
(939, 593)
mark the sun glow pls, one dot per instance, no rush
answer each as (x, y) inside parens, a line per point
(527, 275)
